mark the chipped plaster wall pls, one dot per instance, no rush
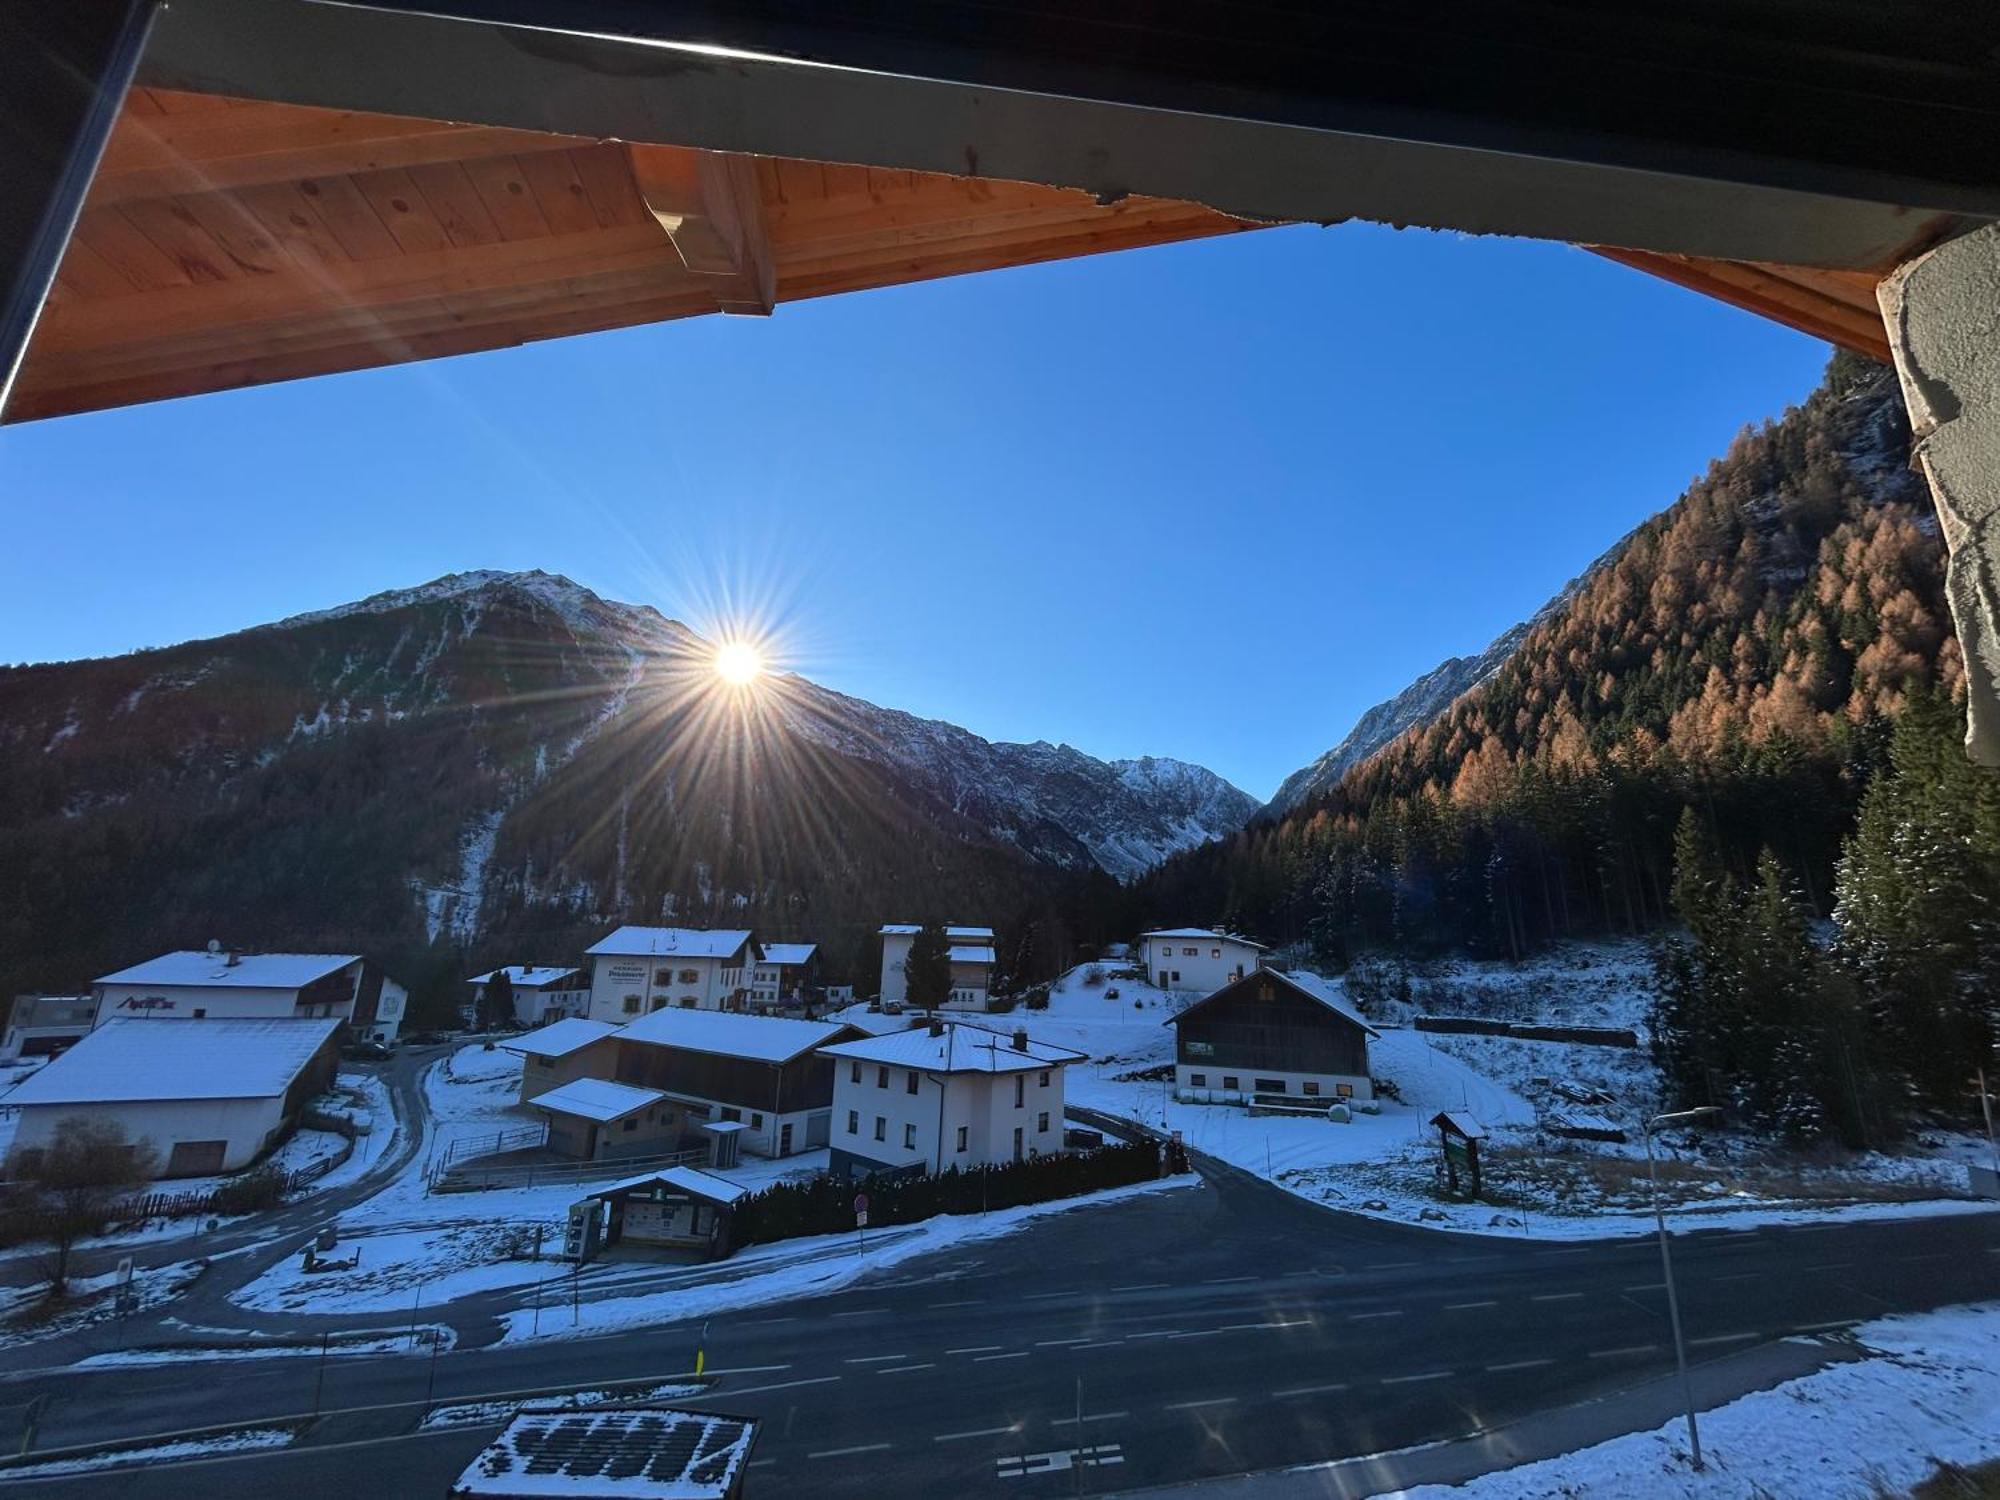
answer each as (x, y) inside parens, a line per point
(1943, 315)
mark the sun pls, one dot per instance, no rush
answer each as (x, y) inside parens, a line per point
(738, 663)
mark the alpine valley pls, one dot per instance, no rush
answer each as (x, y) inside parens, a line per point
(493, 765)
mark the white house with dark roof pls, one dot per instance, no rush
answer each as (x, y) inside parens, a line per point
(542, 992)
(1196, 960)
(971, 964)
(207, 1096)
(785, 975)
(210, 985)
(637, 970)
(944, 1094)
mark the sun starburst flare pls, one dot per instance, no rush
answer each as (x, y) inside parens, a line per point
(738, 663)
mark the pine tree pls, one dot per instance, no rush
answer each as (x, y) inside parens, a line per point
(927, 968)
(497, 1001)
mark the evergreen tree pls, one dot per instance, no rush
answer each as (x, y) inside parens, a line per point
(497, 1008)
(927, 969)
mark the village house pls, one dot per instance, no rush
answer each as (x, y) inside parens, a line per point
(971, 950)
(43, 1025)
(1196, 960)
(1275, 1036)
(944, 1094)
(637, 970)
(762, 1073)
(593, 1119)
(206, 1096)
(219, 983)
(785, 976)
(542, 992)
(566, 1049)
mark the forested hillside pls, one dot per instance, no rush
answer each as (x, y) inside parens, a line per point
(1744, 653)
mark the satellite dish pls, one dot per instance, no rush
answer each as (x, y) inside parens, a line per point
(214, 945)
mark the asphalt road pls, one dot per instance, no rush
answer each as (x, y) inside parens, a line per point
(1199, 1331)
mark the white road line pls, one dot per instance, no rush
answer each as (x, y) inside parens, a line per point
(875, 1359)
(1017, 1354)
(1197, 1405)
(749, 1370)
(1199, 1333)
(766, 1323)
(1626, 1353)
(1556, 1297)
(1392, 1265)
(1226, 1280)
(1096, 1416)
(1157, 1333)
(1468, 1306)
(760, 1463)
(1394, 1312)
(960, 1437)
(863, 1312)
(1056, 1343)
(1046, 1296)
(967, 1302)
(754, 1390)
(1836, 1265)
(845, 1452)
(977, 1349)
(1823, 1327)
(1148, 1286)
(1805, 1229)
(1720, 1338)
(1924, 1257)
(1519, 1364)
(1104, 1344)
(904, 1369)
(1648, 1286)
(1308, 1390)
(1413, 1379)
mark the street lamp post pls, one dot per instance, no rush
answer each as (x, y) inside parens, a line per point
(1667, 1264)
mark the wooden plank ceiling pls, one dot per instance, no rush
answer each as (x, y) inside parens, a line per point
(230, 242)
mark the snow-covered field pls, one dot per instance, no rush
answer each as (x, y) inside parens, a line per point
(1538, 1184)
(1858, 1431)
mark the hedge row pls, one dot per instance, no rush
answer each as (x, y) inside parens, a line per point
(825, 1205)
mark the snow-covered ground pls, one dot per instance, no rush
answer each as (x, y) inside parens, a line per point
(1538, 1184)
(234, 1442)
(1927, 1396)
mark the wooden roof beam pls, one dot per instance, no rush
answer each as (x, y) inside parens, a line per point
(250, 144)
(712, 208)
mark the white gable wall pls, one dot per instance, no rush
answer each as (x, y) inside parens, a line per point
(623, 987)
(1197, 966)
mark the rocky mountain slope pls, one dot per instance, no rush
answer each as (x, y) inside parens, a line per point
(500, 761)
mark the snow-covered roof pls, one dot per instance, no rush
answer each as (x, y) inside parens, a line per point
(1460, 1122)
(958, 1049)
(257, 971)
(596, 1099)
(138, 1058)
(1205, 934)
(789, 953)
(971, 955)
(671, 942)
(1305, 983)
(613, 1453)
(682, 1179)
(772, 1039)
(528, 976)
(907, 929)
(559, 1038)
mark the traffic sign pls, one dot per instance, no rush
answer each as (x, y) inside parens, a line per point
(861, 1218)
(861, 1203)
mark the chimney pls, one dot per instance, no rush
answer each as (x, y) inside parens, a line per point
(1020, 1039)
(233, 960)
(937, 1026)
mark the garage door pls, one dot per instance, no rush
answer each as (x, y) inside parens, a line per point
(819, 1129)
(193, 1158)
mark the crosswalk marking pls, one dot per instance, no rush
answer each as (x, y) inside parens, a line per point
(1095, 1455)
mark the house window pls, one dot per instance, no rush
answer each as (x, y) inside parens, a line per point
(1215, 953)
(963, 1131)
(854, 1072)
(1198, 1080)
(1229, 1081)
(1044, 1083)
(909, 1137)
(853, 1123)
(1020, 1091)
(1270, 1085)
(688, 1002)
(881, 1128)
(756, 1122)
(1311, 1087)
(200, 1011)
(1343, 1090)
(1042, 1121)
(659, 1002)
(690, 976)
(881, 1078)
(630, 1124)
(663, 977)
(732, 1113)
(1190, 952)
(910, 1084)
(632, 1003)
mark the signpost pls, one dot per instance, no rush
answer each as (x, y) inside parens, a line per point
(861, 1220)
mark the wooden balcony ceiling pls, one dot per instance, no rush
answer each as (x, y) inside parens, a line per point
(230, 242)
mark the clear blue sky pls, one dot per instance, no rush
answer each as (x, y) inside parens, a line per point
(1208, 501)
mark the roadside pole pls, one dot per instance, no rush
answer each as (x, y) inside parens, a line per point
(1667, 1266)
(319, 1376)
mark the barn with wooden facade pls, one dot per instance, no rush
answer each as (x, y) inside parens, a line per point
(1271, 1036)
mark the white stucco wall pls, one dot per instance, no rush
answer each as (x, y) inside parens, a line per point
(895, 949)
(614, 978)
(1215, 1087)
(242, 1123)
(980, 1102)
(1213, 963)
(178, 1002)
